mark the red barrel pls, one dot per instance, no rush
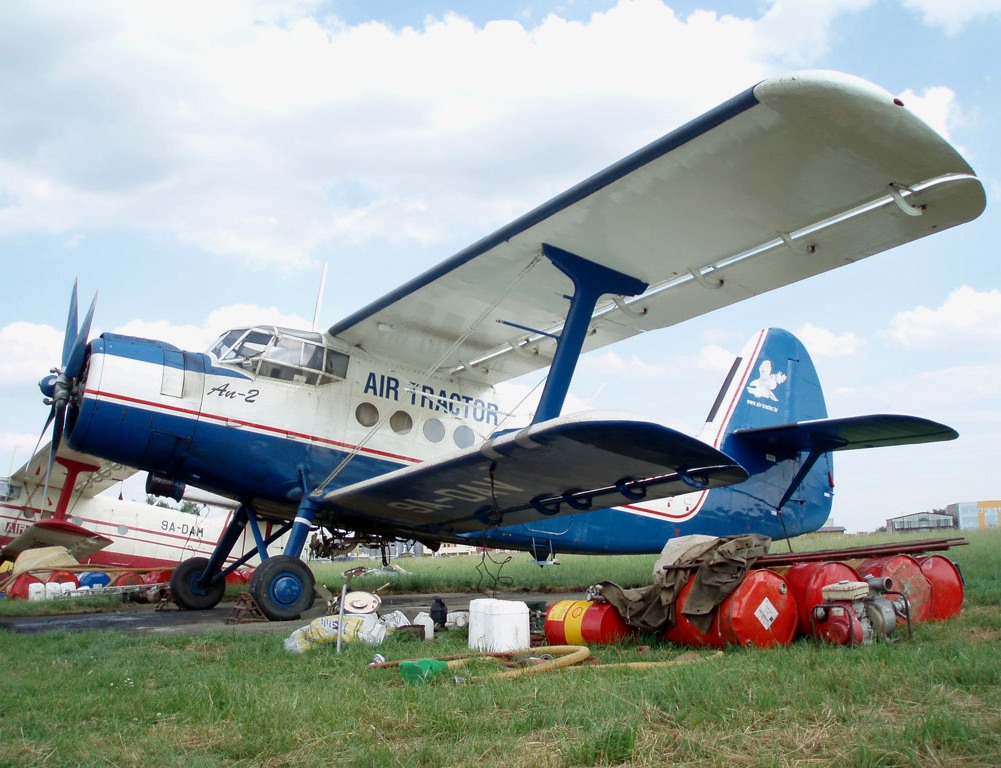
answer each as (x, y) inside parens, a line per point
(158, 577)
(907, 578)
(806, 580)
(582, 622)
(946, 586)
(239, 577)
(125, 579)
(684, 632)
(61, 577)
(760, 612)
(17, 588)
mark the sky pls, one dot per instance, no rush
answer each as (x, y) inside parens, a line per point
(197, 164)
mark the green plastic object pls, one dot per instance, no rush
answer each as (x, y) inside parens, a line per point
(420, 671)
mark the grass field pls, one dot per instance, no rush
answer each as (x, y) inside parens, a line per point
(239, 699)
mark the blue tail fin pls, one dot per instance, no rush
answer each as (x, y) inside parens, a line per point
(773, 384)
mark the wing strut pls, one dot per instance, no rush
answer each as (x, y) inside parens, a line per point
(591, 281)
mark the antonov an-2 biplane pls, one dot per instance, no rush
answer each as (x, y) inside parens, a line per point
(387, 425)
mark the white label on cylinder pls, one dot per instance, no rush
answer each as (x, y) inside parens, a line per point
(766, 613)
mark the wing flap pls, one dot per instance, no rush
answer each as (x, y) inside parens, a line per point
(850, 433)
(787, 180)
(562, 466)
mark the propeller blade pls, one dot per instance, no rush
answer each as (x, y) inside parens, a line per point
(69, 339)
(59, 415)
(74, 364)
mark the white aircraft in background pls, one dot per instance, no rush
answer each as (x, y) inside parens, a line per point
(79, 511)
(387, 424)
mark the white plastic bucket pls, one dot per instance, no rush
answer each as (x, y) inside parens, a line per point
(498, 625)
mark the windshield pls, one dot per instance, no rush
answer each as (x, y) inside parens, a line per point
(280, 353)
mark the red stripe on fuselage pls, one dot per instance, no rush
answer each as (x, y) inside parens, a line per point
(226, 420)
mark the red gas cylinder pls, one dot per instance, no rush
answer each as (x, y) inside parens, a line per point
(760, 612)
(61, 577)
(125, 579)
(18, 588)
(946, 586)
(158, 577)
(906, 577)
(684, 632)
(582, 622)
(806, 580)
(239, 577)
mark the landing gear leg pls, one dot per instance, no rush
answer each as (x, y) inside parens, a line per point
(197, 583)
(283, 585)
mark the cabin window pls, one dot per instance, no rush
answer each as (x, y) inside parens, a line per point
(434, 430)
(367, 414)
(401, 423)
(463, 436)
(279, 353)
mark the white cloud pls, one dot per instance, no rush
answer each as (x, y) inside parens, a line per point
(965, 315)
(264, 131)
(936, 106)
(28, 351)
(953, 15)
(800, 30)
(825, 343)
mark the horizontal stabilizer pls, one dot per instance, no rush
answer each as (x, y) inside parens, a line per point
(79, 541)
(874, 431)
(561, 466)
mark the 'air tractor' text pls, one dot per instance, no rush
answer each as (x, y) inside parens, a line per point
(423, 396)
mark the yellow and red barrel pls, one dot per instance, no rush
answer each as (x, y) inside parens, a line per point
(583, 622)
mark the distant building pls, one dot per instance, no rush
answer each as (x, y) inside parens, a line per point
(920, 521)
(830, 527)
(972, 515)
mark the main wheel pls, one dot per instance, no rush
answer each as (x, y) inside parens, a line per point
(187, 589)
(283, 587)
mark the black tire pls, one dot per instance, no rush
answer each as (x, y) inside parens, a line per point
(187, 589)
(283, 587)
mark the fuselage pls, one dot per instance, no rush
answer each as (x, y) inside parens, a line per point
(268, 414)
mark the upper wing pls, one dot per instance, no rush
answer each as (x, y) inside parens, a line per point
(849, 433)
(538, 471)
(793, 177)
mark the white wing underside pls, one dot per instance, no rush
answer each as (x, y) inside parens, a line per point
(794, 177)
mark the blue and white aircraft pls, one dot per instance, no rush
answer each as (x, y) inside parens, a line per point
(387, 424)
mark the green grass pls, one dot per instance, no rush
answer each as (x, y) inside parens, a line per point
(239, 699)
(515, 572)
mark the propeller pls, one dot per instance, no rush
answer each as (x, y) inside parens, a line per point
(60, 386)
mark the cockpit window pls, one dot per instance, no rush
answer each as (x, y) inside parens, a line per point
(280, 353)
